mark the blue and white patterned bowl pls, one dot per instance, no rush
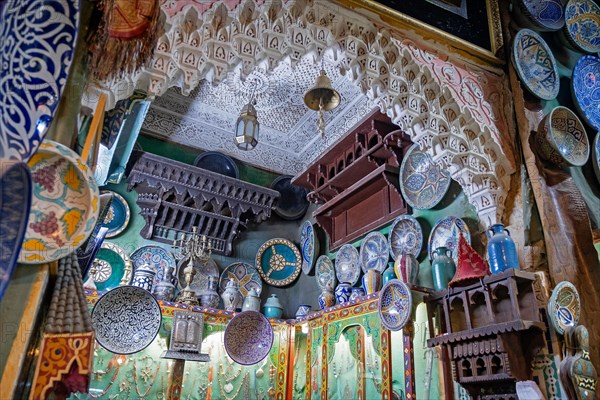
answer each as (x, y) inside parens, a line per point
(347, 264)
(405, 236)
(582, 26)
(395, 305)
(585, 88)
(542, 15)
(248, 338)
(374, 252)
(561, 138)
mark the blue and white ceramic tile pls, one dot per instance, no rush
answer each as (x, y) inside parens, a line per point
(586, 89)
(347, 264)
(582, 25)
(248, 338)
(309, 246)
(405, 236)
(446, 233)
(374, 252)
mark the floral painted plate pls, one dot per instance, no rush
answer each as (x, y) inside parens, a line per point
(325, 273)
(374, 252)
(422, 182)
(395, 305)
(37, 44)
(445, 233)
(245, 275)
(118, 215)
(347, 264)
(564, 307)
(292, 203)
(585, 87)
(405, 236)
(278, 262)
(15, 204)
(159, 258)
(544, 15)
(309, 246)
(109, 269)
(248, 338)
(64, 206)
(126, 319)
(217, 162)
(582, 24)
(203, 271)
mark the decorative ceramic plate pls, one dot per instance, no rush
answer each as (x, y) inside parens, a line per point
(126, 319)
(596, 156)
(246, 276)
(37, 43)
(309, 246)
(405, 236)
(86, 257)
(325, 273)
(292, 203)
(395, 305)
(248, 338)
(159, 258)
(547, 15)
(582, 24)
(347, 264)
(278, 262)
(535, 64)
(374, 252)
(422, 182)
(109, 268)
(586, 89)
(561, 138)
(217, 162)
(64, 206)
(118, 215)
(15, 203)
(203, 271)
(564, 307)
(445, 233)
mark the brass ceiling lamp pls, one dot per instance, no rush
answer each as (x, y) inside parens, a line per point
(322, 97)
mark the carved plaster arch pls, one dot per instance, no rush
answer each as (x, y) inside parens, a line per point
(454, 111)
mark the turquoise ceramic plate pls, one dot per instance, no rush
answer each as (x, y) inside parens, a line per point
(118, 215)
(278, 262)
(109, 269)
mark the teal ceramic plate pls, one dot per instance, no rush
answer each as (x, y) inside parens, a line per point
(109, 268)
(278, 262)
(118, 215)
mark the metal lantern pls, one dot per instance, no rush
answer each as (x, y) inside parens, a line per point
(247, 128)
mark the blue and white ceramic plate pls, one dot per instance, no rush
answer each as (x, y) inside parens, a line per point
(446, 233)
(200, 282)
(248, 338)
(325, 273)
(596, 156)
(422, 182)
(118, 215)
(37, 43)
(309, 246)
(245, 275)
(292, 203)
(545, 15)
(217, 162)
(405, 236)
(109, 269)
(564, 307)
(155, 256)
(15, 203)
(535, 64)
(395, 305)
(347, 264)
(374, 252)
(87, 256)
(586, 89)
(582, 25)
(278, 262)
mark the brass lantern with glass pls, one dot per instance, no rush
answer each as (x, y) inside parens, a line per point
(247, 127)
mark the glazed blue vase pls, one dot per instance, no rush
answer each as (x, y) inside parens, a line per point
(443, 268)
(502, 252)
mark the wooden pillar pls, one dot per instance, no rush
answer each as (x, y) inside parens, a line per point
(175, 380)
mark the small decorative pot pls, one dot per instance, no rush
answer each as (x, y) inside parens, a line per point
(252, 301)
(144, 277)
(273, 308)
(342, 292)
(502, 252)
(443, 268)
(389, 274)
(165, 289)
(303, 310)
(327, 298)
(407, 268)
(356, 293)
(232, 297)
(372, 281)
(210, 298)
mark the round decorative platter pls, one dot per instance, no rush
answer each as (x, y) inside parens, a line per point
(278, 262)
(203, 271)
(126, 319)
(374, 252)
(15, 204)
(292, 203)
(218, 163)
(445, 233)
(405, 236)
(118, 214)
(347, 265)
(309, 246)
(37, 44)
(245, 275)
(564, 307)
(422, 182)
(157, 257)
(535, 64)
(110, 268)
(596, 156)
(545, 15)
(325, 273)
(64, 206)
(585, 85)
(248, 338)
(561, 138)
(582, 23)
(395, 305)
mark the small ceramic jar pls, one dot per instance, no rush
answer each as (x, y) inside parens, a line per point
(272, 307)
(144, 277)
(232, 297)
(252, 301)
(303, 310)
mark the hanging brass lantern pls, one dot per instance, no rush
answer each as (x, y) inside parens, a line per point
(322, 97)
(247, 128)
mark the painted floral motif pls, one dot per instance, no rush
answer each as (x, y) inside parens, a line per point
(405, 236)
(582, 18)
(395, 305)
(347, 264)
(374, 252)
(248, 338)
(245, 275)
(586, 88)
(112, 266)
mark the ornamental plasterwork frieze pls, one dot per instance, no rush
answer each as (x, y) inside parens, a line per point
(458, 112)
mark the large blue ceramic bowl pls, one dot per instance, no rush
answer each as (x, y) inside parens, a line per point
(585, 88)
(582, 25)
(541, 15)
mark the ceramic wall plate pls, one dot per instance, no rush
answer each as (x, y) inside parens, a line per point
(217, 162)
(203, 271)
(374, 252)
(561, 138)
(109, 268)
(405, 236)
(37, 43)
(86, 257)
(395, 305)
(596, 156)
(278, 262)
(325, 273)
(586, 89)
(535, 64)
(118, 215)
(309, 246)
(422, 182)
(64, 206)
(564, 307)
(347, 264)
(246, 276)
(292, 203)
(248, 338)
(15, 204)
(445, 233)
(544, 15)
(582, 24)
(126, 319)
(157, 257)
